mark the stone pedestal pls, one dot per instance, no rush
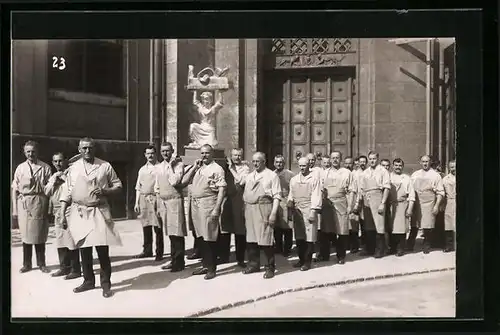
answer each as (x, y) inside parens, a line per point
(191, 155)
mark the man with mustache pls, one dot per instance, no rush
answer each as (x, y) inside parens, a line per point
(311, 158)
(338, 184)
(90, 181)
(429, 189)
(375, 185)
(305, 199)
(349, 163)
(262, 197)
(207, 191)
(401, 201)
(30, 206)
(167, 186)
(146, 205)
(235, 179)
(283, 231)
(326, 163)
(69, 258)
(450, 184)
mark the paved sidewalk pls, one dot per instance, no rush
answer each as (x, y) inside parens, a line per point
(142, 289)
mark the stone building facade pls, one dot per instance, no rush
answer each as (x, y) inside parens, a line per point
(288, 96)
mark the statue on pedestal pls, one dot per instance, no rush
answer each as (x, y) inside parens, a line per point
(211, 83)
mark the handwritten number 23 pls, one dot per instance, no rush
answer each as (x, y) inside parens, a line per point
(58, 63)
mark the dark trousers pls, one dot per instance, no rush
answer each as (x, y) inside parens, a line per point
(428, 239)
(69, 260)
(283, 239)
(28, 254)
(393, 242)
(325, 241)
(410, 243)
(399, 241)
(370, 242)
(209, 255)
(254, 256)
(148, 240)
(363, 234)
(449, 240)
(177, 251)
(223, 246)
(104, 262)
(353, 241)
(305, 251)
(197, 244)
(342, 243)
(241, 247)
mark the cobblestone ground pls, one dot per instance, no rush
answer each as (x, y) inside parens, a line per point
(426, 295)
(142, 289)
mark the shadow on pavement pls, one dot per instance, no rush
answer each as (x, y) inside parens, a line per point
(140, 263)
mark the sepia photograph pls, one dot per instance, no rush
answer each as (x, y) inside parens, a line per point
(231, 178)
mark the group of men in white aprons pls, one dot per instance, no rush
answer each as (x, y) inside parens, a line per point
(265, 209)
(77, 198)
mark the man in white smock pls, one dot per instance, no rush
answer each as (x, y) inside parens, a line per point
(171, 205)
(338, 184)
(450, 190)
(401, 201)
(305, 201)
(207, 191)
(69, 258)
(262, 197)
(30, 206)
(283, 230)
(429, 189)
(90, 181)
(146, 206)
(375, 183)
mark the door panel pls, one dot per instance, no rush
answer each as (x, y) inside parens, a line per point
(309, 113)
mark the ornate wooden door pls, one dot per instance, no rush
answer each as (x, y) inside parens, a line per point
(312, 113)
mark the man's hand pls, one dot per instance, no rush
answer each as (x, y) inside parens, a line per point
(64, 221)
(435, 210)
(290, 204)
(229, 162)
(198, 163)
(409, 213)
(272, 218)
(355, 209)
(215, 214)
(381, 209)
(98, 192)
(137, 209)
(313, 216)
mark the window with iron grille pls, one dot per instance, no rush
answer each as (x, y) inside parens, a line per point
(302, 46)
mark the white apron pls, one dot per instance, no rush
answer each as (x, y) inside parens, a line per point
(32, 208)
(426, 199)
(148, 206)
(258, 207)
(303, 228)
(398, 222)
(171, 208)
(371, 201)
(450, 209)
(63, 236)
(335, 211)
(90, 222)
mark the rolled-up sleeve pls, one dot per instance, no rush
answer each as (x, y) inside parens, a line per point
(275, 187)
(176, 173)
(138, 183)
(386, 179)
(113, 179)
(220, 178)
(290, 191)
(438, 186)
(15, 180)
(316, 194)
(411, 191)
(68, 189)
(47, 173)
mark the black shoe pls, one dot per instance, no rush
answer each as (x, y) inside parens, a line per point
(44, 269)
(194, 256)
(366, 253)
(391, 252)
(298, 264)
(144, 255)
(250, 270)
(448, 250)
(107, 293)
(242, 264)
(177, 268)
(305, 267)
(269, 274)
(354, 250)
(202, 271)
(158, 258)
(167, 267)
(400, 253)
(426, 249)
(320, 259)
(60, 273)
(73, 275)
(341, 261)
(84, 287)
(210, 275)
(25, 269)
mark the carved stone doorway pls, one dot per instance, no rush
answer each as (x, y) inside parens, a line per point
(308, 110)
